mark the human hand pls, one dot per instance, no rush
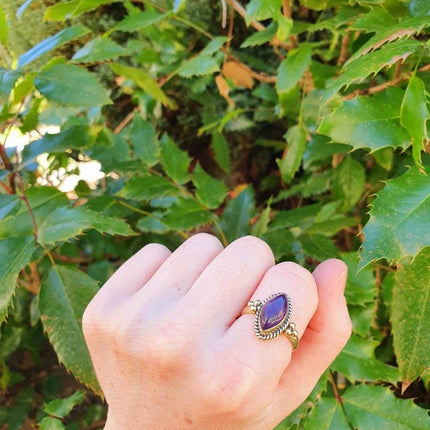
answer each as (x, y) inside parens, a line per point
(171, 349)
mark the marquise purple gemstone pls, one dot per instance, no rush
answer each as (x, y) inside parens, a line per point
(273, 312)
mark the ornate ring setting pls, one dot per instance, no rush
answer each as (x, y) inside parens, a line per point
(273, 317)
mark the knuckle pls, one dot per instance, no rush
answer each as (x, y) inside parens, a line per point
(156, 248)
(231, 385)
(256, 246)
(91, 319)
(298, 271)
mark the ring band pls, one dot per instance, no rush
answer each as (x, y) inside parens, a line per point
(273, 317)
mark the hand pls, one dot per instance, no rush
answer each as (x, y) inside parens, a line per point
(172, 351)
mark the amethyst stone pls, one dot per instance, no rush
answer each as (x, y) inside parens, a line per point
(273, 312)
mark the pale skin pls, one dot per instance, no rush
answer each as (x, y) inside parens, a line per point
(171, 349)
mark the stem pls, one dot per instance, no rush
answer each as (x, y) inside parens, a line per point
(334, 386)
(221, 233)
(30, 211)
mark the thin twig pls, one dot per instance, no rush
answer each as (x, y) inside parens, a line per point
(221, 233)
(286, 8)
(27, 204)
(242, 12)
(72, 260)
(224, 14)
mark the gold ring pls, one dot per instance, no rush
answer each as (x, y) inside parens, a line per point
(273, 317)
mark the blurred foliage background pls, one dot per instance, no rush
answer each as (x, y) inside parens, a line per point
(301, 122)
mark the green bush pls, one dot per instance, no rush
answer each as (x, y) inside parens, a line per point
(303, 123)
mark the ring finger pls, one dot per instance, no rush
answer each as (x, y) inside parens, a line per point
(272, 356)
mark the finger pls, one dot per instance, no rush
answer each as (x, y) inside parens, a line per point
(326, 335)
(134, 273)
(176, 275)
(218, 295)
(272, 356)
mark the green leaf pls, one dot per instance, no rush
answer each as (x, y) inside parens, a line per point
(235, 221)
(142, 80)
(281, 241)
(97, 50)
(210, 191)
(43, 47)
(361, 285)
(145, 141)
(72, 9)
(147, 188)
(262, 9)
(139, 20)
(326, 414)
(399, 224)
(414, 115)
(4, 30)
(186, 214)
(214, 45)
(349, 182)
(60, 408)
(376, 20)
(71, 85)
(221, 151)
(285, 26)
(199, 65)
(175, 162)
(64, 294)
(292, 158)
(67, 222)
(9, 205)
(8, 79)
(260, 37)
(358, 363)
(291, 70)
(419, 8)
(15, 254)
(368, 122)
(358, 70)
(50, 423)
(19, 412)
(74, 137)
(260, 227)
(410, 317)
(318, 246)
(152, 224)
(405, 28)
(376, 407)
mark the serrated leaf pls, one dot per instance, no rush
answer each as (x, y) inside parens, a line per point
(260, 37)
(214, 45)
(152, 224)
(291, 70)
(293, 154)
(399, 224)
(358, 70)
(200, 65)
(375, 20)
(235, 221)
(358, 363)
(368, 122)
(9, 205)
(139, 20)
(15, 254)
(145, 141)
(414, 115)
(326, 414)
(376, 407)
(210, 191)
(175, 162)
(66, 222)
(50, 423)
(221, 151)
(410, 317)
(405, 28)
(186, 214)
(142, 80)
(147, 188)
(99, 49)
(72, 9)
(71, 85)
(349, 182)
(60, 408)
(262, 9)
(74, 137)
(64, 294)
(43, 47)
(318, 246)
